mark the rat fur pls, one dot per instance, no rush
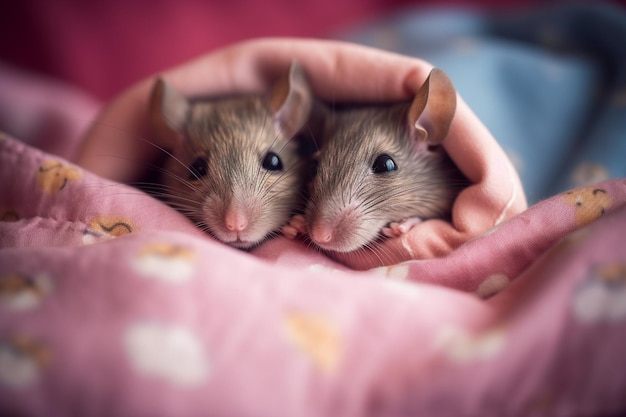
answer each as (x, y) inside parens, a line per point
(236, 165)
(381, 169)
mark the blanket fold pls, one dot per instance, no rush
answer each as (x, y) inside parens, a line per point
(140, 307)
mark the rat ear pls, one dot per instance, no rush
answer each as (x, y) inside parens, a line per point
(169, 110)
(433, 108)
(291, 101)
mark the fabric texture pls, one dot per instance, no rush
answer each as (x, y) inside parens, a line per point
(114, 304)
(107, 294)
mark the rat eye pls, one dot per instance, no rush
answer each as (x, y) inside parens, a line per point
(198, 168)
(384, 163)
(272, 162)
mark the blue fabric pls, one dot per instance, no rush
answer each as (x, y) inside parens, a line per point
(550, 84)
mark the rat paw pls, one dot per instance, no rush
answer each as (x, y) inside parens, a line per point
(296, 226)
(395, 229)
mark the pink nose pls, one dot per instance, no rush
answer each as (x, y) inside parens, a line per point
(236, 220)
(321, 234)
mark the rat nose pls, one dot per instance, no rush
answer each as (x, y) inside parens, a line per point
(321, 234)
(236, 220)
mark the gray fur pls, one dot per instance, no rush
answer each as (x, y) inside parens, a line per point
(356, 203)
(233, 135)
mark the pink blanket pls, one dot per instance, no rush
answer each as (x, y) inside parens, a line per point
(113, 304)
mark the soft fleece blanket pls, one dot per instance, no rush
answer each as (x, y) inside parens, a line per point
(111, 303)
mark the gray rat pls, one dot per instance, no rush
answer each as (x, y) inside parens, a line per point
(236, 168)
(380, 170)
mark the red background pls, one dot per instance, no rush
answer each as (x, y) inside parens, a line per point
(103, 46)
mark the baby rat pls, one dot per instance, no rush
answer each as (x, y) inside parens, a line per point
(381, 169)
(235, 166)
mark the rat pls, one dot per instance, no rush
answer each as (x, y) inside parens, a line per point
(381, 169)
(236, 165)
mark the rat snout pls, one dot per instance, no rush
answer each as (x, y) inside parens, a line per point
(235, 219)
(234, 223)
(322, 233)
(337, 230)
(240, 220)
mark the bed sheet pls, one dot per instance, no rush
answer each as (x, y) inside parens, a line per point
(112, 303)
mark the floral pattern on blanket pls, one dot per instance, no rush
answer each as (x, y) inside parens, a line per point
(111, 303)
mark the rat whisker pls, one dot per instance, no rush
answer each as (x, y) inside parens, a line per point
(371, 169)
(218, 168)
